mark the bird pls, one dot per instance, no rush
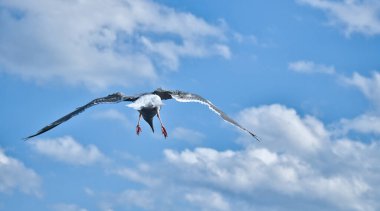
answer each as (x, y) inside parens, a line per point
(148, 105)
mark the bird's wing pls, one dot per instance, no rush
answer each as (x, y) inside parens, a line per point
(181, 96)
(112, 98)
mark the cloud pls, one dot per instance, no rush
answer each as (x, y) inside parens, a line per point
(256, 172)
(171, 52)
(208, 179)
(299, 165)
(365, 123)
(67, 150)
(297, 160)
(101, 43)
(113, 114)
(138, 176)
(67, 207)
(131, 199)
(300, 161)
(369, 86)
(303, 66)
(207, 200)
(187, 135)
(301, 135)
(360, 16)
(14, 175)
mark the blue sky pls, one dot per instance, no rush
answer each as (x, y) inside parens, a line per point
(303, 75)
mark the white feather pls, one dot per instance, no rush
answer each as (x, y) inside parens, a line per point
(197, 101)
(146, 101)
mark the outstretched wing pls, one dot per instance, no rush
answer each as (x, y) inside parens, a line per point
(112, 98)
(190, 97)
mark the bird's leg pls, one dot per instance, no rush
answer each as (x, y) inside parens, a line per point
(162, 126)
(138, 128)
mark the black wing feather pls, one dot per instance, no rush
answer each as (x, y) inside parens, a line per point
(181, 96)
(112, 98)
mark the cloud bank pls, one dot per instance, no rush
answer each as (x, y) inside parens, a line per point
(297, 160)
(369, 86)
(15, 176)
(300, 161)
(354, 16)
(304, 66)
(101, 43)
(67, 150)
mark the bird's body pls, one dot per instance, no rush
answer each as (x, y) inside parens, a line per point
(146, 101)
(148, 105)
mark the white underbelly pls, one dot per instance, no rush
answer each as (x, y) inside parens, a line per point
(146, 101)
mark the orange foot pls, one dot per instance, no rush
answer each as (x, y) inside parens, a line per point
(138, 130)
(164, 131)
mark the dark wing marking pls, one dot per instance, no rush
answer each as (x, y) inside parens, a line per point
(112, 98)
(190, 97)
(164, 94)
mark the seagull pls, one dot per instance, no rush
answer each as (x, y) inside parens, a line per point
(148, 105)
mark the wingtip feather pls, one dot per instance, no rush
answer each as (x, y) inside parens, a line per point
(27, 138)
(255, 136)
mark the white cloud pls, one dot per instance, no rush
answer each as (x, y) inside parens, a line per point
(369, 122)
(365, 123)
(67, 207)
(295, 161)
(88, 191)
(14, 175)
(299, 161)
(361, 16)
(188, 135)
(207, 200)
(301, 135)
(303, 66)
(130, 199)
(113, 114)
(138, 198)
(248, 39)
(171, 52)
(249, 172)
(369, 86)
(138, 176)
(67, 150)
(208, 179)
(100, 43)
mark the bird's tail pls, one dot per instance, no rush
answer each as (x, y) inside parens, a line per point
(150, 122)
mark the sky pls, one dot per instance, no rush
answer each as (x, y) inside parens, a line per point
(304, 75)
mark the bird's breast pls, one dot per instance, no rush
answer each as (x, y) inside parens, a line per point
(146, 101)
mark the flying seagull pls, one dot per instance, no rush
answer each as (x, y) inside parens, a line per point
(148, 105)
